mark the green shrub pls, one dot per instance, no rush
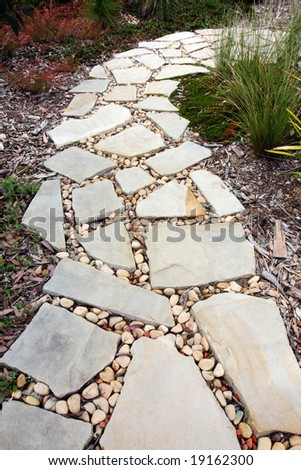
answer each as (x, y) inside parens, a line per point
(104, 11)
(163, 9)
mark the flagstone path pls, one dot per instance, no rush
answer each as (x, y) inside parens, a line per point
(152, 336)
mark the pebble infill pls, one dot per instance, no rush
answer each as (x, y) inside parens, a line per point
(156, 156)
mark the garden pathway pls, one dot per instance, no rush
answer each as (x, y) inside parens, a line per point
(128, 352)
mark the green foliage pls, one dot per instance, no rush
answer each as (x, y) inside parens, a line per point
(6, 322)
(104, 11)
(162, 9)
(7, 381)
(12, 16)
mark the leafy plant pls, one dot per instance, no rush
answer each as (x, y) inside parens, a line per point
(105, 11)
(12, 17)
(163, 9)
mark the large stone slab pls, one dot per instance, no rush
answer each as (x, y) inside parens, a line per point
(106, 119)
(122, 93)
(183, 60)
(216, 192)
(167, 53)
(134, 75)
(176, 159)
(45, 214)
(78, 164)
(196, 46)
(152, 61)
(155, 44)
(110, 244)
(98, 72)
(180, 36)
(87, 285)
(61, 349)
(91, 86)
(184, 256)
(25, 427)
(171, 124)
(132, 179)
(95, 202)
(133, 53)
(132, 142)
(165, 88)
(156, 103)
(162, 391)
(80, 105)
(202, 54)
(248, 337)
(118, 64)
(171, 200)
(172, 71)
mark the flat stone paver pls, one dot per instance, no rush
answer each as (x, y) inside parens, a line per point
(166, 404)
(152, 61)
(155, 44)
(78, 164)
(171, 200)
(132, 179)
(133, 75)
(202, 54)
(61, 349)
(223, 201)
(173, 125)
(98, 72)
(122, 93)
(171, 53)
(179, 36)
(173, 71)
(118, 64)
(184, 256)
(165, 88)
(248, 336)
(80, 105)
(105, 120)
(110, 244)
(91, 86)
(183, 60)
(89, 286)
(132, 142)
(24, 427)
(133, 53)
(175, 160)
(45, 214)
(196, 46)
(156, 103)
(95, 202)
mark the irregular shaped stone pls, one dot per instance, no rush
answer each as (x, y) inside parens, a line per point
(106, 119)
(91, 86)
(209, 63)
(89, 286)
(150, 406)
(132, 179)
(132, 53)
(52, 346)
(183, 60)
(155, 44)
(80, 105)
(205, 53)
(132, 142)
(78, 164)
(45, 214)
(24, 427)
(165, 88)
(156, 103)
(193, 40)
(175, 160)
(123, 93)
(171, 200)
(110, 244)
(248, 337)
(180, 36)
(98, 72)
(152, 61)
(184, 256)
(171, 71)
(216, 192)
(135, 75)
(171, 124)
(95, 202)
(118, 64)
(171, 53)
(196, 46)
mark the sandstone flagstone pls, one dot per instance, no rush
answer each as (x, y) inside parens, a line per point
(172, 124)
(105, 120)
(98, 72)
(52, 346)
(155, 44)
(110, 244)
(196, 46)
(184, 256)
(171, 200)
(78, 164)
(156, 103)
(95, 202)
(174, 160)
(223, 201)
(24, 427)
(171, 71)
(89, 286)
(152, 61)
(165, 88)
(205, 53)
(134, 75)
(133, 53)
(162, 391)
(80, 105)
(118, 64)
(132, 142)
(45, 214)
(178, 36)
(171, 53)
(132, 179)
(248, 336)
(183, 60)
(91, 86)
(125, 93)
